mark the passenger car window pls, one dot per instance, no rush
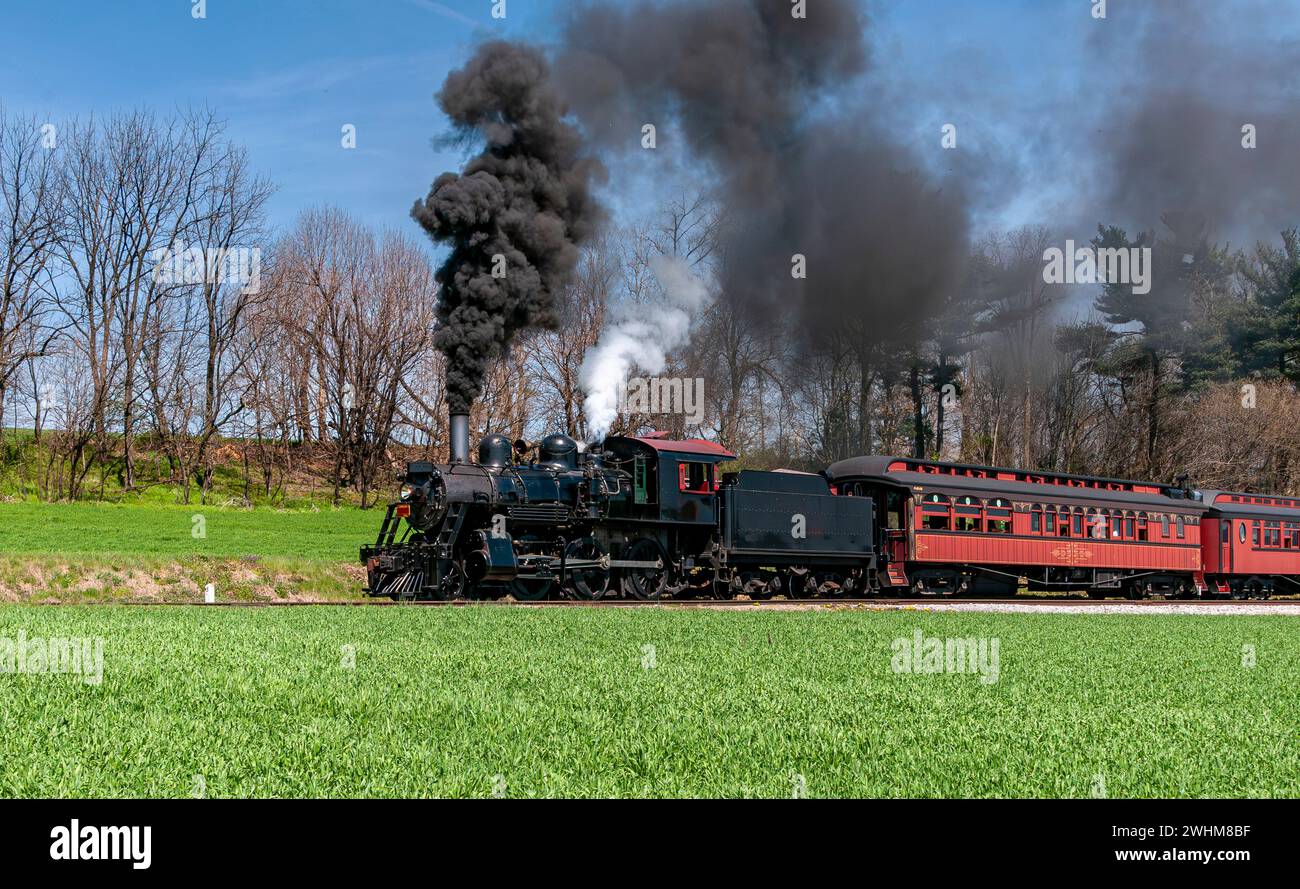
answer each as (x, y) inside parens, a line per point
(934, 512)
(967, 513)
(998, 516)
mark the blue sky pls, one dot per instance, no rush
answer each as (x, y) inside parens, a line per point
(288, 74)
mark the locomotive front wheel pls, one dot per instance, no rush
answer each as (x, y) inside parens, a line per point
(645, 583)
(585, 582)
(454, 584)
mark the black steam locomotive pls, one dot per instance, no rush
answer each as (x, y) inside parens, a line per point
(645, 517)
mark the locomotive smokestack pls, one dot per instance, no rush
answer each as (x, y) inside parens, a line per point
(460, 438)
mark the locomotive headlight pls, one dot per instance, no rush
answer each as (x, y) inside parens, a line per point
(406, 492)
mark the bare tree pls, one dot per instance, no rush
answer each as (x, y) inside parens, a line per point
(29, 232)
(360, 317)
(228, 229)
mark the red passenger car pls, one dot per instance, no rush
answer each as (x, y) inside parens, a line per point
(1251, 543)
(957, 528)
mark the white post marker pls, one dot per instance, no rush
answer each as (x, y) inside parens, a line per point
(209, 595)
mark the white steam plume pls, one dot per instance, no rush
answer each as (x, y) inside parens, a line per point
(641, 336)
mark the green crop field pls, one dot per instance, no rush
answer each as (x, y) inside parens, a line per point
(85, 552)
(476, 701)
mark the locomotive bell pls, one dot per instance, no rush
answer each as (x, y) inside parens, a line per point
(558, 451)
(494, 450)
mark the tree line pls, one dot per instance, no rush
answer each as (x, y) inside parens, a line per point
(320, 371)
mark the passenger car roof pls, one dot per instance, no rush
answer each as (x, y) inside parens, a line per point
(1286, 509)
(1090, 490)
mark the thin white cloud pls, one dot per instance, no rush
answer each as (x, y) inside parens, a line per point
(308, 77)
(443, 10)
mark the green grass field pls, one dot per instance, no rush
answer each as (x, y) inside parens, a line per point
(156, 530)
(574, 702)
(87, 552)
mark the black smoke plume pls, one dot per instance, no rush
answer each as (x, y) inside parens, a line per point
(525, 198)
(1186, 78)
(773, 108)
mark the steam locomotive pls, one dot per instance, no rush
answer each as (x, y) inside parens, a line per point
(645, 517)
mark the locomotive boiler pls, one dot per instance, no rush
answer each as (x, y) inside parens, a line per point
(643, 517)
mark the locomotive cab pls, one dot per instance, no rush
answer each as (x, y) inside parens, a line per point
(672, 480)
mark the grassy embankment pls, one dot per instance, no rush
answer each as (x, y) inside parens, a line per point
(75, 552)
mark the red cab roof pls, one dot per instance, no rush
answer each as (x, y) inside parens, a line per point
(684, 446)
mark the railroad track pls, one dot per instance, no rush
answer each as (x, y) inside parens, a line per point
(771, 604)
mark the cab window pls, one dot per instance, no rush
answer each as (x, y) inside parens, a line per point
(695, 478)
